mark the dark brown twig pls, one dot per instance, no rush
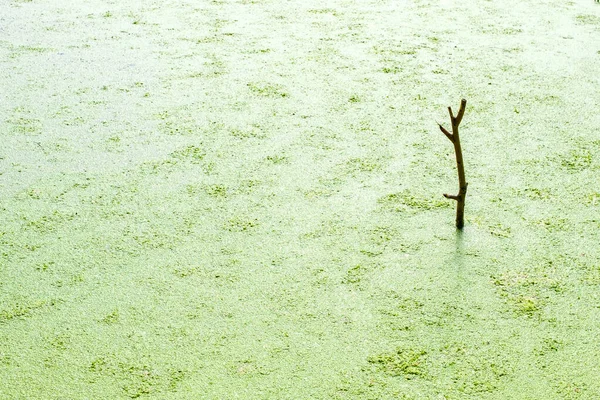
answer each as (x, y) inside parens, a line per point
(462, 183)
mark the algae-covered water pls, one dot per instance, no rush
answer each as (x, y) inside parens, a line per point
(243, 200)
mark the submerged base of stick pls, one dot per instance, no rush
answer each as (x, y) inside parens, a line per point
(460, 205)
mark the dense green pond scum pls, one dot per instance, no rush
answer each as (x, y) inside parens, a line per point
(242, 199)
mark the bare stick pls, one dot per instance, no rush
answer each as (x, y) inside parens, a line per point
(462, 183)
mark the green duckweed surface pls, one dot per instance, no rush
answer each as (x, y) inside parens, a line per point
(242, 199)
